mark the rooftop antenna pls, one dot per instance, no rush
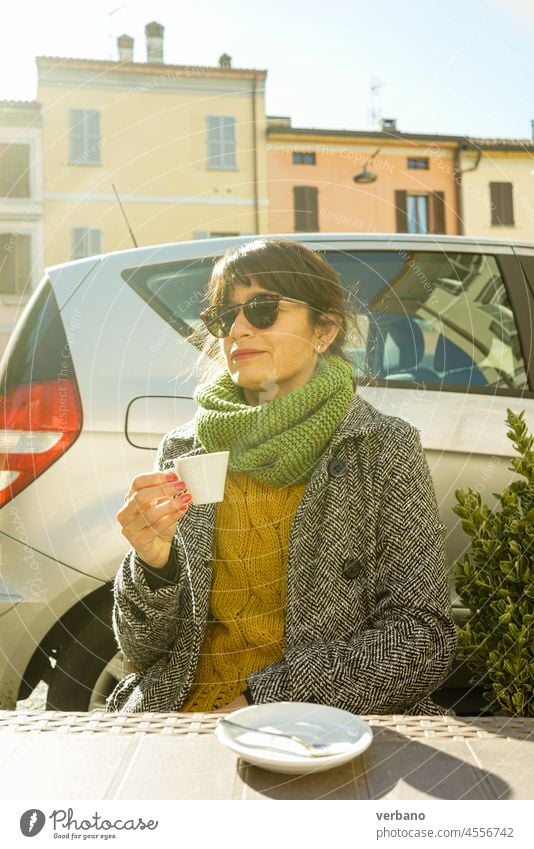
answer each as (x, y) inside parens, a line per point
(374, 112)
(124, 214)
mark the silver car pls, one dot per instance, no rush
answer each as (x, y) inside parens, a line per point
(99, 368)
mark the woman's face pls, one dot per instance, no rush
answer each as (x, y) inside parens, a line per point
(272, 362)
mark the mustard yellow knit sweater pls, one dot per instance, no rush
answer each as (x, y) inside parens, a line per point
(248, 594)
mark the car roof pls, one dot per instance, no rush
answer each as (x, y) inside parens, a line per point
(218, 245)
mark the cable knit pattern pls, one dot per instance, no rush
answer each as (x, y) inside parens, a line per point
(277, 442)
(248, 595)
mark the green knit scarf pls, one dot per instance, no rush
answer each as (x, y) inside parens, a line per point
(278, 442)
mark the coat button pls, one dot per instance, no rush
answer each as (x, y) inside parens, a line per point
(352, 568)
(337, 468)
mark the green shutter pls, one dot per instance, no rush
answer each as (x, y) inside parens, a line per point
(86, 241)
(221, 141)
(76, 134)
(84, 136)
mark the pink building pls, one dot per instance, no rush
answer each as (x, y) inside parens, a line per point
(361, 181)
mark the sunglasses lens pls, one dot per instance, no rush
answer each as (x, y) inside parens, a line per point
(219, 320)
(262, 313)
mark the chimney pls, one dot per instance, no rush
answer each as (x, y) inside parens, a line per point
(125, 44)
(154, 42)
(389, 125)
(225, 61)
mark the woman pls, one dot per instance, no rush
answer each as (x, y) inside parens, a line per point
(321, 577)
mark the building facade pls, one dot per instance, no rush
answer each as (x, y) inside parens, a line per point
(359, 181)
(21, 209)
(497, 177)
(184, 147)
(115, 152)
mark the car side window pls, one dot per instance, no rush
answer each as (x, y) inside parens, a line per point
(434, 318)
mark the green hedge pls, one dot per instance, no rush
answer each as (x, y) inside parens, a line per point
(496, 582)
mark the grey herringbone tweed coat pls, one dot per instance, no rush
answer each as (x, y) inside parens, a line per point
(368, 622)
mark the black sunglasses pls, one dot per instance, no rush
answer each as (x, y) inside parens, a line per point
(261, 311)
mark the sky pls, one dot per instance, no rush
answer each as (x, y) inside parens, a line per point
(461, 67)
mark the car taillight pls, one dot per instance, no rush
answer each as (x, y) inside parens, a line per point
(39, 421)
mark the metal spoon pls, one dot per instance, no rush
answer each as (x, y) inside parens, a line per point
(314, 749)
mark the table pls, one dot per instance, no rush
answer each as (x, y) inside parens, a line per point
(98, 755)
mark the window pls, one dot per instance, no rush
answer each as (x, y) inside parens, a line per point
(441, 319)
(175, 291)
(15, 170)
(15, 263)
(221, 141)
(86, 242)
(417, 213)
(303, 158)
(420, 213)
(305, 201)
(420, 162)
(502, 204)
(84, 137)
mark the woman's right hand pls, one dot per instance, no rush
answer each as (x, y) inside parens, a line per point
(150, 513)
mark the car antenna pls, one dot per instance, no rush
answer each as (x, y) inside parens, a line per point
(124, 214)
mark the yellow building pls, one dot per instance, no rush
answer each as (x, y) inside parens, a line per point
(185, 148)
(21, 224)
(497, 179)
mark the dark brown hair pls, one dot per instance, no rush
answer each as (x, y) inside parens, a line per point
(289, 268)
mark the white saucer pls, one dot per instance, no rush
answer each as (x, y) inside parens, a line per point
(348, 734)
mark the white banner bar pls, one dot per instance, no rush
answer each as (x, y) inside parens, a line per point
(225, 825)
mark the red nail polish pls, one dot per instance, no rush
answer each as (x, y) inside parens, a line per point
(179, 486)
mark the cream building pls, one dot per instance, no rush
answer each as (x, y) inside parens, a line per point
(497, 197)
(21, 221)
(185, 148)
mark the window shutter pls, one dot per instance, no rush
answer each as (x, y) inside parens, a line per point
(78, 240)
(438, 212)
(24, 262)
(502, 204)
(229, 144)
(92, 136)
(221, 141)
(76, 134)
(95, 242)
(15, 170)
(305, 202)
(16, 265)
(86, 241)
(84, 136)
(212, 138)
(401, 211)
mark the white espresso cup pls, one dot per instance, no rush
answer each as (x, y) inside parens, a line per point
(204, 475)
